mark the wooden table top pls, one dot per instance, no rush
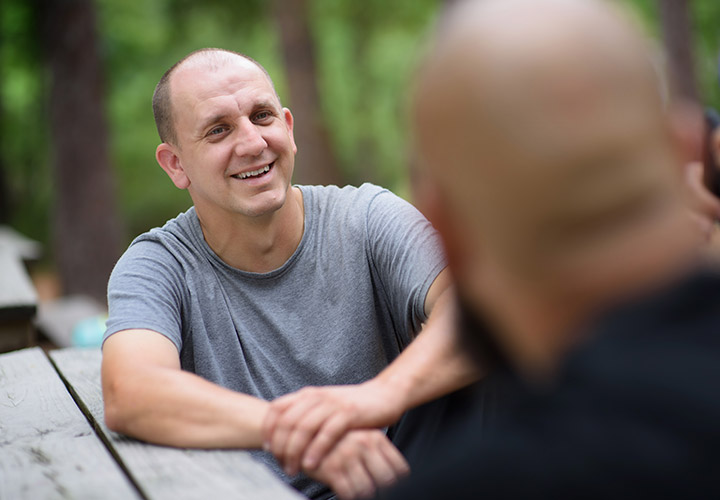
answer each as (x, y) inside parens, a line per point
(54, 443)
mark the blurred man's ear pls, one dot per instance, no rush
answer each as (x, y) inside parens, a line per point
(687, 125)
(170, 162)
(688, 130)
(703, 204)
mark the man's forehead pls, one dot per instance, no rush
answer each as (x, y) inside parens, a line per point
(201, 76)
(201, 80)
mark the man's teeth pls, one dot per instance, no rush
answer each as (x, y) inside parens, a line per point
(254, 173)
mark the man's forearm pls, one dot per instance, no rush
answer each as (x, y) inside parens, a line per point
(433, 365)
(160, 403)
(181, 409)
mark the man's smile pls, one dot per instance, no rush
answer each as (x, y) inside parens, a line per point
(260, 172)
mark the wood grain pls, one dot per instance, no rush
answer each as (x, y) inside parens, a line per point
(47, 448)
(170, 473)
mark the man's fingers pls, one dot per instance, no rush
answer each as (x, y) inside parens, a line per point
(396, 461)
(360, 480)
(329, 434)
(341, 486)
(284, 426)
(277, 408)
(380, 469)
(300, 436)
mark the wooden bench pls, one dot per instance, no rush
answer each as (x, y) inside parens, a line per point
(18, 301)
(54, 443)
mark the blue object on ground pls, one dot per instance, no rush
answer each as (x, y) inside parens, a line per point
(89, 332)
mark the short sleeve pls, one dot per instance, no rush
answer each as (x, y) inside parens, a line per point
(407, 255)
(144, 292)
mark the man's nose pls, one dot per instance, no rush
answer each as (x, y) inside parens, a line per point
(250, 141)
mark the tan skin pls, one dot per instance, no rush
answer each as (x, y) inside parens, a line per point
(229, 121)
(537, 307)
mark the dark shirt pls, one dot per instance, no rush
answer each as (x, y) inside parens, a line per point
(633, 413)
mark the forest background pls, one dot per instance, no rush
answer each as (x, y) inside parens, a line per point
(77, 137)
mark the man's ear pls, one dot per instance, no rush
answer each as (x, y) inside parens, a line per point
(170, 162)
(687, 129)
(289, 123)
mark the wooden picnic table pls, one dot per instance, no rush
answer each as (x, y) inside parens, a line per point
(54, 443)
(18, 300)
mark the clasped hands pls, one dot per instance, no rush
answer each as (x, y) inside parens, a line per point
(331, 433)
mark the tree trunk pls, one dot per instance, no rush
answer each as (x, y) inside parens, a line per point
(315, 162)
(677, 33)
(86, 227)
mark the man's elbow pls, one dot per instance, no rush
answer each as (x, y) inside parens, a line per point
(118, 405)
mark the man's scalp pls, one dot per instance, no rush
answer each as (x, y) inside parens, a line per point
(211, 58)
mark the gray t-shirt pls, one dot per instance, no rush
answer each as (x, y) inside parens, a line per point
(341, 308)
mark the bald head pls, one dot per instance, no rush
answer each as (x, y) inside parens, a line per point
(210, 59)
(543, 126)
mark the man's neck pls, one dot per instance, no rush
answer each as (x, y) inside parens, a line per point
(257, 244)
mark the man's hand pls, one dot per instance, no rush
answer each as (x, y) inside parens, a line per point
(362, 462)
(302, 427)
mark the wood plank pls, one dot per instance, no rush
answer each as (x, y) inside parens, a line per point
(164, 472)
(47, 448)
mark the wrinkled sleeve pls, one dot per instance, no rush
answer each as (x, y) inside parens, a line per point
(407, 256)
(144, 292)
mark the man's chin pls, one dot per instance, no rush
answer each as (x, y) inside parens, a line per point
(264, 204)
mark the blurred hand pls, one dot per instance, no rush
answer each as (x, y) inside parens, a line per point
(361, 463)
(302, 427)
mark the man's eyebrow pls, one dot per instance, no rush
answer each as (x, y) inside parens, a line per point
(264, 104)
(219, 117)
(224, 116)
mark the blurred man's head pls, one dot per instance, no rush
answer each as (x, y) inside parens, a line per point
(542, 127)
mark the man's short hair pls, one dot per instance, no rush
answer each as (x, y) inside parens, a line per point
(162, 102)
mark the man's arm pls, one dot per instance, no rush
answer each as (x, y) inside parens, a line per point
(301, 428)
(149, 397)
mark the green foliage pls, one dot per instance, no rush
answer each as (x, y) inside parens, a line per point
(366, 52)
(24, 134)
(706, 18)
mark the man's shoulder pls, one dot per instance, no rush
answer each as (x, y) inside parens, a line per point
(656, 354)
(357, 200)
(347, 193)
(176, 237)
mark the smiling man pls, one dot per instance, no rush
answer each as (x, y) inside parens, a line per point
(263, 288)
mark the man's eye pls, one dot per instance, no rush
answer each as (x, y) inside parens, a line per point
(217, 131)
(263, 115)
